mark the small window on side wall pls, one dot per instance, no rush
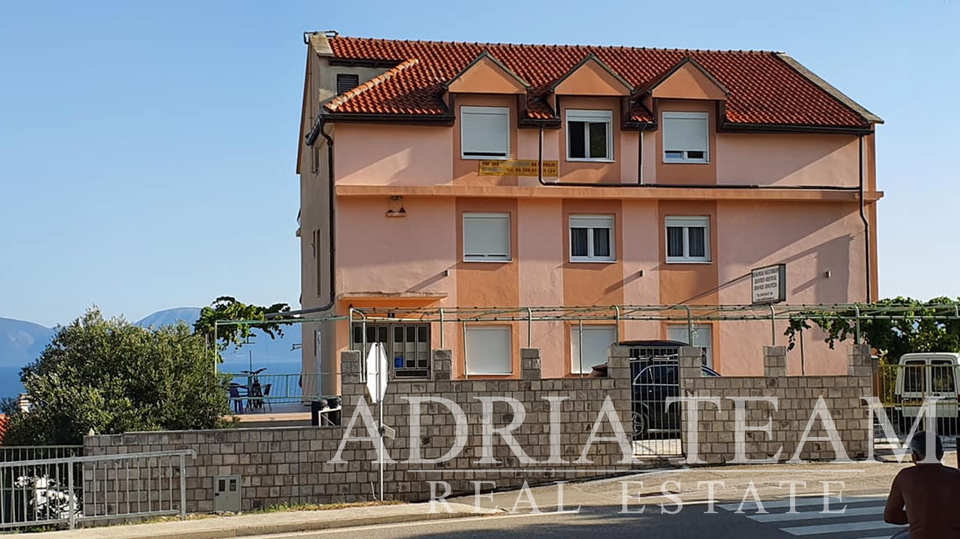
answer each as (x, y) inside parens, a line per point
(347, 82)
(688, 239)
(686, 137)
(591, 238)
(484, 132)
(489, 350)
(486, 237)
(589, 135)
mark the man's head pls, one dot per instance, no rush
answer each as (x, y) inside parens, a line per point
(921, 452)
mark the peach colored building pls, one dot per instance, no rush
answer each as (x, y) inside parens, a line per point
(667, 176)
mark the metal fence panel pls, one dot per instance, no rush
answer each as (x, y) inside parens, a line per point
(72, 490)
(919, 396)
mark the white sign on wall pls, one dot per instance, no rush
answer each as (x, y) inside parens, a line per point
(769, 284)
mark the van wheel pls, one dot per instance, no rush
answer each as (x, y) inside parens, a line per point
(640, 425)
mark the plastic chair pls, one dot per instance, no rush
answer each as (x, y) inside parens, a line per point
(266, 395)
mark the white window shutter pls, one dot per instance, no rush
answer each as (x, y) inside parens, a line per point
(486, 236)
(484, 131)
(489, 350)
(685, 133)
(592, 221)
(596, 342)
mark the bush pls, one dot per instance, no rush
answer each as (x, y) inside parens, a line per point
(114, 377)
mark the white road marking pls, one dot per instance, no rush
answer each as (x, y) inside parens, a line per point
(815, 515)
(802, 502)
(839, 528)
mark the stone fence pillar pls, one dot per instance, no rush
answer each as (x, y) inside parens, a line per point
(774, 361)
(442, 364)
(618, 363)
(691, 364)
(860, 361)
(530, 364)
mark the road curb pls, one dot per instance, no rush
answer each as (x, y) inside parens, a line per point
(298, 527)
(228, 527)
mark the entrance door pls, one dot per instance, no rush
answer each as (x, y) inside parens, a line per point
(702, 337)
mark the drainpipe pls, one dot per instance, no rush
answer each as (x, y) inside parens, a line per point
(866, 230)
(640, 154)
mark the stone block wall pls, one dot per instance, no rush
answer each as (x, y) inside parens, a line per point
(797, 397)
(292, 465)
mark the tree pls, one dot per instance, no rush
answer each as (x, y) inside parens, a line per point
(228, 309)
(894, 326)
(114, 377)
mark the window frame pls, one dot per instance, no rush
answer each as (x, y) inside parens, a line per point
(590, 116)
(466, 110)
(674, 115)
(487, 328)
(591, 249)
(483, 258)
(707, 350)
(686, 222)
(415, 372)
(575, 367)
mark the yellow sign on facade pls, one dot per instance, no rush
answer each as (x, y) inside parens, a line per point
(518, 168)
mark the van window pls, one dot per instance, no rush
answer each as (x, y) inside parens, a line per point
(942, 377)
(914, 377)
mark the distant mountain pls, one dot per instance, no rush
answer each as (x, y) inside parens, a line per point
(21, 342)
(171, 316)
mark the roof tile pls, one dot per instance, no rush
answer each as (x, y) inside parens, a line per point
(764, 89)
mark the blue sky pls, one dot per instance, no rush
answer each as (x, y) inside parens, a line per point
(147, 149)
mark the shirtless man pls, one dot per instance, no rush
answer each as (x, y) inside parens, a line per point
(931, 493)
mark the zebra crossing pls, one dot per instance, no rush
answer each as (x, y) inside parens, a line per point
(861, 519)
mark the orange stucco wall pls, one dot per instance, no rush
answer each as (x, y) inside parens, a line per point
(417, 259)
(810, 243)
(381, 255)
(408, 155)
(787, 159)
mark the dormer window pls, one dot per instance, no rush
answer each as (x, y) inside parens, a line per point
(484, 132)
(686, 137)
(347, 82)
(589, 135)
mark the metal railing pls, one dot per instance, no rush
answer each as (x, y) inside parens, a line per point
(13, 453)
(255, 393)
(72, 490)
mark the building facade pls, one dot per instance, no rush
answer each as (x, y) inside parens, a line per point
(459, 175)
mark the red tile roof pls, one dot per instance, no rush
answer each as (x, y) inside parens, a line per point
(765, 87)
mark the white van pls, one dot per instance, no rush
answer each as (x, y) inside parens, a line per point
(928, 375)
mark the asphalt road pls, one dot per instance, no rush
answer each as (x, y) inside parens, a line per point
(861, 520)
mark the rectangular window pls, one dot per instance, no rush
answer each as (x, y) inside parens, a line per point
(486, 237)
(596, 341)
(489, 350)
(686, 137)
(407, 346)
(347, 82)
(702, 337)
(484, 132)
(688, 239)
(589, 135)
(591, 238)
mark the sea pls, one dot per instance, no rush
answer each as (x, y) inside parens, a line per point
(10, 386)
